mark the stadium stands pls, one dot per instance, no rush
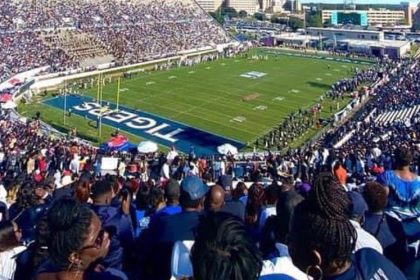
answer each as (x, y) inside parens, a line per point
(37, 169)
(69, 210)
(67, 32)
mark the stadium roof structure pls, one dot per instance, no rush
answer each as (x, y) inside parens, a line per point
(295, 37)
(374, 43)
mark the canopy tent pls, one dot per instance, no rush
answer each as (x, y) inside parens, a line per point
(147, 147)
(227, 149)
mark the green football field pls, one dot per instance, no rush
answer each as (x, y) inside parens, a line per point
(213, 96)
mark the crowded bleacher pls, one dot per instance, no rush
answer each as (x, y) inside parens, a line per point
(344, 206)
(62, 34)
(347, 211)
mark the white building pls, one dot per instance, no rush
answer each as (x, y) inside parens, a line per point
(210, 5)
(361, 41)
(249, 6)
(336, 33)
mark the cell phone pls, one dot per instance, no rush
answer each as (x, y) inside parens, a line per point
(125, 193)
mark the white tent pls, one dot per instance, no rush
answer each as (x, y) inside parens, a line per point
(227, 149)
(147, 147)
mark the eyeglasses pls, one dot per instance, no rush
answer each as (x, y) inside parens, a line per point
(97, 243)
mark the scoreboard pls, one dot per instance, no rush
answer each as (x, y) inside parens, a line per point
(351, 17)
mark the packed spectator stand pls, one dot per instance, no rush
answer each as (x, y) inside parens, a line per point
(33, 32)
(344, 207)
(154, 200)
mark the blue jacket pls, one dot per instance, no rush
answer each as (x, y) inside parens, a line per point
(120, 229)
(159, 239)
(369, 264)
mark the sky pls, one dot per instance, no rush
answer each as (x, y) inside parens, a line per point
(360, 1)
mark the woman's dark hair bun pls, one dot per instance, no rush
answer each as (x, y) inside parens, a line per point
(69, 223)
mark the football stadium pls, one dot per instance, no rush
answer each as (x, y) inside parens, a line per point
(208, 104)
(142, 139)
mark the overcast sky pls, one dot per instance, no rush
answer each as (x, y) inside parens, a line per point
(359, 1)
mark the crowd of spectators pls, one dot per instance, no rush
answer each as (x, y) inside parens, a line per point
(322, 211)
(130, 31)
(345, 207)
(22, 51)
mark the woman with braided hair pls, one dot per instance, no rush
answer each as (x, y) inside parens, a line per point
(76, 243)
(321, 238)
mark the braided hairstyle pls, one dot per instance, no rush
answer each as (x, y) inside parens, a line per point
(223, 249)
(321, 223)
(68, 222)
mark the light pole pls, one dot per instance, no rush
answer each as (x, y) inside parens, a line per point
(100, 106)
(118, 92)
(65, 103)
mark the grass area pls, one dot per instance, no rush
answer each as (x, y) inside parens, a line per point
(414, 49)
(211, 95)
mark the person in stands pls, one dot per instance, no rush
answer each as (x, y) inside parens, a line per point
(115, 218)
(77, 241)
(404, 192)
(376, 223)
(215, 199)
(255, 205)
(10, 246)
(357, 209)
(321, 238)
(166, 230)
(224, 250)
(404, 207)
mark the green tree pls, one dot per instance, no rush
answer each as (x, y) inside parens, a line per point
(295, 23)
(243, 14)
(278, 19)
(260, 16)
(230, 12)
(218, 16)
(314, 20)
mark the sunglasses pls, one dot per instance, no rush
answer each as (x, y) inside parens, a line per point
(97, 243)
